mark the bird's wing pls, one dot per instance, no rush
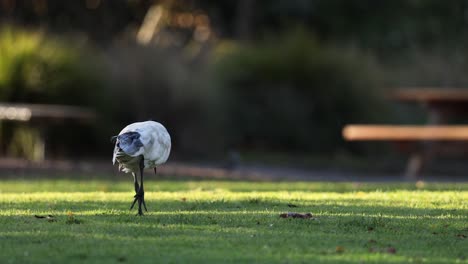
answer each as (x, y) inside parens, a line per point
(163, 145)
(164, 140)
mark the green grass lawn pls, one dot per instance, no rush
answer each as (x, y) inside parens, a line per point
(232, 222)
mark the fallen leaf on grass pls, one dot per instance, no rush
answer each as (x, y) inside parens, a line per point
(389, 250)
(296, 215)
(183, 199)
(50, 218)
(71, 219)
(420, 184)
(339, 249)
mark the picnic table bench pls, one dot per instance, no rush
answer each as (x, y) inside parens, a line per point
(440, 104)
(40, 115)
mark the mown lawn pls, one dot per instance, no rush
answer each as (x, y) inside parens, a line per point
(232, 222)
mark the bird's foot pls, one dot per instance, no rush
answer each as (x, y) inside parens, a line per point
(140, 197)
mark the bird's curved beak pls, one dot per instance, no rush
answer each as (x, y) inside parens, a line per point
(113, 139)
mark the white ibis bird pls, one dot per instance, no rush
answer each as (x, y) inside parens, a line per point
(138, 146)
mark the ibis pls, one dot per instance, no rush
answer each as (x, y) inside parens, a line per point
(139, 146)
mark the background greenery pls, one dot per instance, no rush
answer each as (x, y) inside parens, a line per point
(282, 77)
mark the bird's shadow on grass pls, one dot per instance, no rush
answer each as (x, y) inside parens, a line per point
(232, 212)
(351, 206)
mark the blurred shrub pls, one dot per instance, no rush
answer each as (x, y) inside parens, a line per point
(161, 84)
(125, 84)
(38, 68)
(25, 142)
(290, 93)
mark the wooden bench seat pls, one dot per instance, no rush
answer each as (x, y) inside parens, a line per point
(409, 133)
(40, 116)
(405, 132)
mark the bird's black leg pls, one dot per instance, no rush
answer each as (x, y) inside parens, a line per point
(137, 188)
(142, 190)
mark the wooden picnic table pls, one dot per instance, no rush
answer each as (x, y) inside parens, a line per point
(431, 95)
(441, 104)
(40, 115)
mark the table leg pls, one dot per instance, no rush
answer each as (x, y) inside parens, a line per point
(414, 166)
(426, 151)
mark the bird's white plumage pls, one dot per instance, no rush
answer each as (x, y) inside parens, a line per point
(156, 145)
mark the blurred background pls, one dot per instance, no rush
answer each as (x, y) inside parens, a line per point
(235, 82)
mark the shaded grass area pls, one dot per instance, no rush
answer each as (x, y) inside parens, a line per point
(232, 222)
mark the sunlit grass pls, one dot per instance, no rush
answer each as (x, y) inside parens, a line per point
(222, 221)
(80, 183)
